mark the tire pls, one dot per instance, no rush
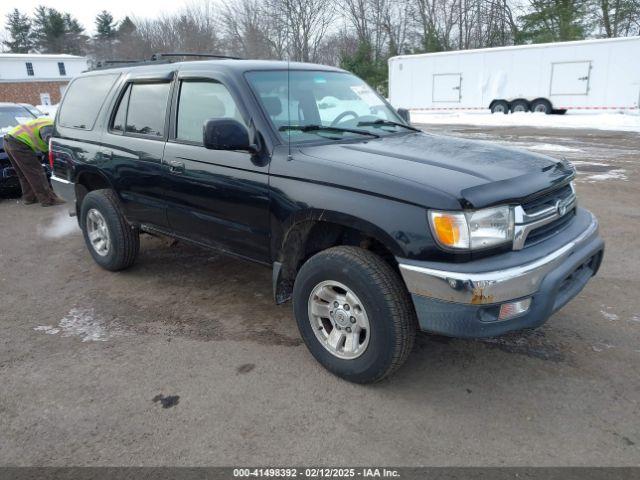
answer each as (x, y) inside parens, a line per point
(541, 105)
(101, 212)
(519, 106)
(378, 292)
(500, 106)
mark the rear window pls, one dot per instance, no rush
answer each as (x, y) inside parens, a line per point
(83, 100)
(142, 109)
(147, 109)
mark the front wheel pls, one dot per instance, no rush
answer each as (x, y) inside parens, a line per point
(112, 242)
(354, 314)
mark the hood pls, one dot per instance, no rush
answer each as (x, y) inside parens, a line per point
(474, 173)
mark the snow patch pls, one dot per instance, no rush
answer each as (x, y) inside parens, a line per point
(617, 174)
(627, 122)
(608, 315)
(601, 347)
(85, 324)
(550, 147)
(60, 226)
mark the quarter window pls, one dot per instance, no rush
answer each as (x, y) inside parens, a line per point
(200, 101)
(62, 69)
(29, 69)
(83, 100)
(147, 109)
(121, 114)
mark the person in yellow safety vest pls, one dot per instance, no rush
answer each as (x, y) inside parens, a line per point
(24, 144)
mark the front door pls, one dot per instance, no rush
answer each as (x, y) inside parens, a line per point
(570, 78)
(216, 197)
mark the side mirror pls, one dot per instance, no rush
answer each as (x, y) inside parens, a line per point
(404, 114)
(226, 134)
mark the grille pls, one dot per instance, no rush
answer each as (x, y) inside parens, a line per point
(547, 200)
(549, 230)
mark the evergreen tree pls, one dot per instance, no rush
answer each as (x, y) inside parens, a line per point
(362, 64)
(554, 21)
(106, 28)
(57, 32)
(126, 27)
(19, 29)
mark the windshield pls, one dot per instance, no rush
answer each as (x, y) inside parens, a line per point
(321, 100)
(12, 116)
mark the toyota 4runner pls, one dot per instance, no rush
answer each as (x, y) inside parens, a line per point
(373, 228)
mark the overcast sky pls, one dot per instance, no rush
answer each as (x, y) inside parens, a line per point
(86, 10)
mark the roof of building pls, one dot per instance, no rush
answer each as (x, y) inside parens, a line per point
(41, 55)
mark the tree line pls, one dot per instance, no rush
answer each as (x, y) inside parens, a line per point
(358, 35)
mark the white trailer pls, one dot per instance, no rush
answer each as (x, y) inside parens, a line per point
(601, 74)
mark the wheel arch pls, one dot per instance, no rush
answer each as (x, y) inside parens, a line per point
(311, 231)
(88, 180)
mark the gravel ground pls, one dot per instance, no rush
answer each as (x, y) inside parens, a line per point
(184, 359)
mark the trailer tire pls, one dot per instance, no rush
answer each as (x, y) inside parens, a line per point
(520, 106)
(541, 105)
(500, 106)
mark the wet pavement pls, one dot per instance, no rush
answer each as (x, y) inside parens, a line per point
(184, 358)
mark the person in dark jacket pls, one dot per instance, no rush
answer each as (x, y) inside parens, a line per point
(24, 145)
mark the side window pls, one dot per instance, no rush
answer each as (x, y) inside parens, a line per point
(200, 101)
(121, 114)
(83, 100)
(147, 108)
(29, 66)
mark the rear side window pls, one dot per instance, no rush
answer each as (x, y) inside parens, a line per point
(142, 109)
(83, 100)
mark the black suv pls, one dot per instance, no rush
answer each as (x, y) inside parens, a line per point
(373, 228)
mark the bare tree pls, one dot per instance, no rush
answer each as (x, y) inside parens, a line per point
(305, 23)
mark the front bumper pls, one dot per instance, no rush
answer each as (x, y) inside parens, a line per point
(465, 301)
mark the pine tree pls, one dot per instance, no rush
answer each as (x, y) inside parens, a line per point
(106, 28)
(555, 21)
(19, 29)
(127, 27)
(57, 32)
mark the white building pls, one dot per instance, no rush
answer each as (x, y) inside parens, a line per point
(37, 79)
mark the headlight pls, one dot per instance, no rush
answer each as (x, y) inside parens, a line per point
(472, 229)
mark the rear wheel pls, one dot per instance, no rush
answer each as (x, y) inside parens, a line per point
(500, 106)
(519, 106)
(112, 242)
(541, 105)
(354, 313)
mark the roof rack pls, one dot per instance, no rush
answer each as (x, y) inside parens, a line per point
(158, 56)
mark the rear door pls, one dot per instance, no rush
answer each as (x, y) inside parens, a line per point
(570, 78)
(446, 87)
(134, 144)
(216, 197)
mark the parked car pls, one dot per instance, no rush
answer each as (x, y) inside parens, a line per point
(12, 114)
(374, 228)
(34, 110)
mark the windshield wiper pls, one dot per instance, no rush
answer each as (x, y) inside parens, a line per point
(382, 123)
(326, 128)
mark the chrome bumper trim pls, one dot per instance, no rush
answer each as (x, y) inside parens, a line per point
(61, 180)
(488, 287)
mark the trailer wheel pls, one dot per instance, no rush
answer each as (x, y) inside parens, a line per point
(519, 106)
(500, 106)
(541, 105)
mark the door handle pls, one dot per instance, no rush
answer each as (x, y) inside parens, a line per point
(175, 166)
(583, 78)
